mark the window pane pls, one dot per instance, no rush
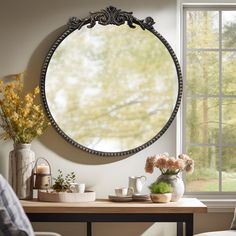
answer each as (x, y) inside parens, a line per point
(229, 121)
(229, 73)
(203, 99)
(229, 169)
(205, 175)
(229, 29)
(202, 120)
(202, 29)
(202, 73)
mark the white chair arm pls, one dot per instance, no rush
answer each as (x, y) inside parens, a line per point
(46, 234)
(219, 233)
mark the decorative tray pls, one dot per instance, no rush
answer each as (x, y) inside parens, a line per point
(141, 197)
(128, 198)
(115, 198)
(87, 196)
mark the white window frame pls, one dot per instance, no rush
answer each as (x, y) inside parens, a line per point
(216, 201)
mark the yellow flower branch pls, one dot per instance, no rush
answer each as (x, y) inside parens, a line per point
(20, 118)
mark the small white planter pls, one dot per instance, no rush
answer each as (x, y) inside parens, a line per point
(161, 197)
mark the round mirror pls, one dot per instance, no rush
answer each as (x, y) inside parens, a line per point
(111, 89)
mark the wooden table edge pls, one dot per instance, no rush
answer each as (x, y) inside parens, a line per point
(107, 207)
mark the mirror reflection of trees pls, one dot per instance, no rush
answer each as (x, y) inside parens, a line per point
(211, 99)
(111, 88)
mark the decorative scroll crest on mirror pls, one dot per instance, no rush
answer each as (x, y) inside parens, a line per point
(110, 15)
(49, 75)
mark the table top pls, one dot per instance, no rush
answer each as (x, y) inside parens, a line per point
(184, 205)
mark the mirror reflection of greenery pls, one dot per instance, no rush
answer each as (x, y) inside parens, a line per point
(111, 87)
(203, 108)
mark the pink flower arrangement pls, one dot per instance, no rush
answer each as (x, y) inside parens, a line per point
(170, 165)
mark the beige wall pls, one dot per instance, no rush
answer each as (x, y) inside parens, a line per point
(27, 29)
(212, 221)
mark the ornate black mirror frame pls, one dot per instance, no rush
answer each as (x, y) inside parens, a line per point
(113, 16)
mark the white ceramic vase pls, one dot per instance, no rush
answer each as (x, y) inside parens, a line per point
(21, 164)
(176, 183)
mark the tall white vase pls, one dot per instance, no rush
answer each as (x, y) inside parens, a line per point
(21, 164)
(176, 183)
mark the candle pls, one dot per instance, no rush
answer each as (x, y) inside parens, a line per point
(42, 169)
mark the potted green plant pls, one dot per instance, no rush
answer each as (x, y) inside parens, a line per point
(160, 192)
(63, 184)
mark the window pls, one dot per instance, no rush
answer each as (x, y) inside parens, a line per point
(209, 107)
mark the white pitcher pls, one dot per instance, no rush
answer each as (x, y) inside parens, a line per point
(136, 183)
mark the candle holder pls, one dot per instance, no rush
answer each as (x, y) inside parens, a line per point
(42, 174)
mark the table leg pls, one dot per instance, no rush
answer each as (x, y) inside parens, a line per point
(89, 228)
(180, 229)
(189, 226)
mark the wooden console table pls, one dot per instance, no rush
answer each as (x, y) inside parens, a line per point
(106, 211)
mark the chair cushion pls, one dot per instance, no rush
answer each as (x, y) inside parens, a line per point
(219, 233)
(13, 220)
